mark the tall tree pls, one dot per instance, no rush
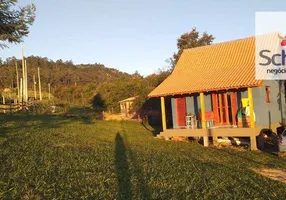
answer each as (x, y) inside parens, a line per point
(190, 40)
(15, 23)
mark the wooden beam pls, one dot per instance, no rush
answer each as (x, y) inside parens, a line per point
(220, 108)
(163, 112)
(251, 110)
(226, 108)
(203, 110)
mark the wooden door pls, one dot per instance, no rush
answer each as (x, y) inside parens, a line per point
(181, 111)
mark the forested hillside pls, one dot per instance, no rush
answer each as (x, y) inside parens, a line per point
(59, 73)
(82, 84)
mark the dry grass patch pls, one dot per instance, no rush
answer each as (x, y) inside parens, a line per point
(275, 174)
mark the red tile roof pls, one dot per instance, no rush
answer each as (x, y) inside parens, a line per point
(221, 66)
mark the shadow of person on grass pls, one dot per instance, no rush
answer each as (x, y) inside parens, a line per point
(138, 172)
(122, 169)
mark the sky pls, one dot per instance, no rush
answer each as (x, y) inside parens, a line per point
(132, 35)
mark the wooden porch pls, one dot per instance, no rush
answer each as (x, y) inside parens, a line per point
(214, 133)
(221, 111)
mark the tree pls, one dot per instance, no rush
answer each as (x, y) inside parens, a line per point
(98, 103)
(190, 40)
(15, 23)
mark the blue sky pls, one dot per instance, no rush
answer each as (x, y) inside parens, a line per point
(132, 35)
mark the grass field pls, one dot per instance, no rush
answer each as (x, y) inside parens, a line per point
(51, 157)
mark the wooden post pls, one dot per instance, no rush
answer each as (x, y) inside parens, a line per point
(251, 110)
(253, 143)
(49, 86)
(26, 79)
(220, 108)
(35, 89)
(226, 108)
(203, 117)
(215, 107)
(281, 101)
(233, 107)
(24, 76)
(40, 89)
(215, 138)
(17, 77)
(163, 112)
(4, 107)
(206, 141)
(82, 99)
(203, 110)
(21, 90)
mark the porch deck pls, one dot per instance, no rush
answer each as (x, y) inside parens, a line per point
(213, 132)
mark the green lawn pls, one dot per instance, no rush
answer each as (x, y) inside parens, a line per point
(51, 157)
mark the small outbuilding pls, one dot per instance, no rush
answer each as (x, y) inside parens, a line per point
(126, 107)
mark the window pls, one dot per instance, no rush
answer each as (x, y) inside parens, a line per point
(267, 90)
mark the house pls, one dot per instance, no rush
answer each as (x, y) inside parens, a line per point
(126, 107)
(216, 84)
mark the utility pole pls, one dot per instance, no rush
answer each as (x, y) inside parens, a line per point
(40, 89)
(35, 89)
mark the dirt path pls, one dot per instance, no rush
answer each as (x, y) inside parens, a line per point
(276, 174)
